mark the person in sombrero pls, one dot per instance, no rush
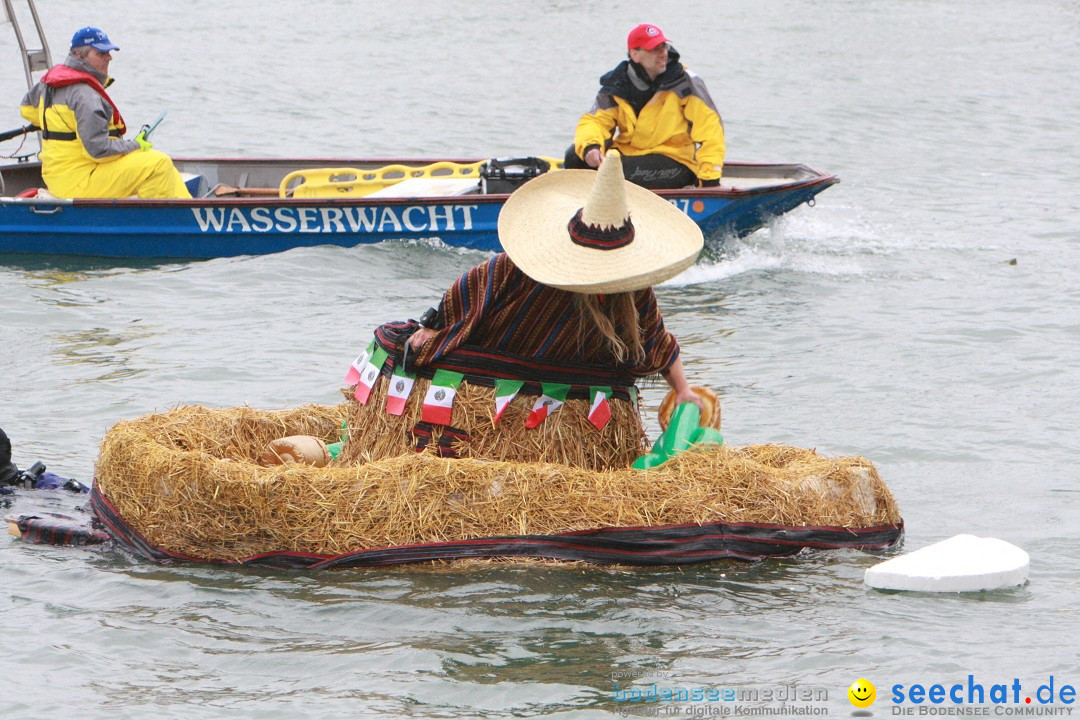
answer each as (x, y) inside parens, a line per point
(566, 314)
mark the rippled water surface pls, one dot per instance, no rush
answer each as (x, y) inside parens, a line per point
(924, 314)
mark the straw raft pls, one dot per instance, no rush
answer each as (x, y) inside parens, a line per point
(188, 481)
(376, 435)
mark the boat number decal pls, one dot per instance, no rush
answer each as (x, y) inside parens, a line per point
(685, 205)
(412, 218)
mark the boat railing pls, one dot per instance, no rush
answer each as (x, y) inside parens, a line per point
(34, 59)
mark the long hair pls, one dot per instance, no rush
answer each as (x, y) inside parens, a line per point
(615, 317)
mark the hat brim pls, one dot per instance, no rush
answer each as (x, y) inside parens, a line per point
(653, 42)
(104, 47)
(533, 229)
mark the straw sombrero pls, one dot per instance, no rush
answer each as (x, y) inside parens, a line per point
(594, 232)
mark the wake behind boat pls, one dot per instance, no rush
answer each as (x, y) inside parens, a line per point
(260, 206)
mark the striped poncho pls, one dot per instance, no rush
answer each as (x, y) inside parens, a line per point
(497, 307)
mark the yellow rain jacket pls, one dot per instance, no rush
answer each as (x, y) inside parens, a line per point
(83, 153)
(673, 116)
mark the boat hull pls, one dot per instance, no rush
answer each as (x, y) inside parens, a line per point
(226, 227)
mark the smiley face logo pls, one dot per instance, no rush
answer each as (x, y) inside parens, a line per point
(862, 693)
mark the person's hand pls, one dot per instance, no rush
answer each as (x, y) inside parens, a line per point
(687, 394)
(144, 144)
(676, 378)
(421, 336)
(594, 157)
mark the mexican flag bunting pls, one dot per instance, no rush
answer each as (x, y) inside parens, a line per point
(439, 401)
(552, 396)
(505, 391)
(599, 407)
(369, 375)
(401, 385)
(357, 368)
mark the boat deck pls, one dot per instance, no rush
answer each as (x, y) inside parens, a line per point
(250, 177)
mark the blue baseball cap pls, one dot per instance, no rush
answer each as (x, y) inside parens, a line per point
(93, 37)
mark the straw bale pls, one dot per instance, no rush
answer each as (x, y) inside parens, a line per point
(567, 437)
(187, 480)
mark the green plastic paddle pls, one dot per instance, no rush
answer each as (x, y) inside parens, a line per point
(683, 432)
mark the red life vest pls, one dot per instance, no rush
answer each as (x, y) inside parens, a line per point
(62, 75)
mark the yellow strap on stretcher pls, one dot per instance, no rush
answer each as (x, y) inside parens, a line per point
(352, 182)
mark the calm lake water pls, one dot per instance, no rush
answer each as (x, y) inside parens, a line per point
(924, 315)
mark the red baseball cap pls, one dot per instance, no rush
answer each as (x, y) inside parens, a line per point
(645, 36)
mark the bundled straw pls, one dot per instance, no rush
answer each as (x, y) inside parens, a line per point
(188, 482)
(567, 437)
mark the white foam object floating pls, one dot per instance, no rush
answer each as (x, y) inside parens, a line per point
(963, 563)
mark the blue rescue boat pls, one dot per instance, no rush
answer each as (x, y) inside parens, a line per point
(256, 206)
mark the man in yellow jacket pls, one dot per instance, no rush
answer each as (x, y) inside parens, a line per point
(657, 114)
(83, 153)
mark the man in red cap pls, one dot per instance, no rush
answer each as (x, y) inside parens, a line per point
(657, 114)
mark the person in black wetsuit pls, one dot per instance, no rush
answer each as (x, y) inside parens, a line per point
(34, 477)
(9, 474)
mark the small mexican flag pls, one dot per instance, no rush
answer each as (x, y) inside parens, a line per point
(599, 407)
(439, 401)
(505, 391)
(369, 375)
(552, 396)
(401, 385)
(356, 370)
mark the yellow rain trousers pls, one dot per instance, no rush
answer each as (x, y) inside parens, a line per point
(143, 173)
